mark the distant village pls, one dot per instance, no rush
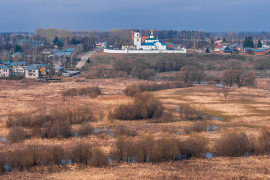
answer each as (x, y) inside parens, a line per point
(14, 68)
(223, 47)
(55, 52)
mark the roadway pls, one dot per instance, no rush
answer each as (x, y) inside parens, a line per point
(84, 58)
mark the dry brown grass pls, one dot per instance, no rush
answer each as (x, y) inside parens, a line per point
(245, 109)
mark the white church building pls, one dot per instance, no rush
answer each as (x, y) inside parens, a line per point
(150, 44)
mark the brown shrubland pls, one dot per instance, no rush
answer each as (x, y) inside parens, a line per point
(263, 141)
(232, 144)
(92, 92)
(16, 134)
(144, 106)
(132, 90)
(190, 112)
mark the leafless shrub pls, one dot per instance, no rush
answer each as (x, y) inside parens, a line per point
(132, 90)
(225, 91)
(82, 153)
(82, 114)
(85, 128)
(98, 158)
(92, 92)
(144, 106)
(119, 151)
(198, 126)
(27, 159)
(165, 149)
(194, 145)
(232, 144)
(263, 141)
(43, 156)
(18, 119)
(144, 147)
(57, 154)
(190, 112)
(2, 162)
(16, 134)
(37, 132)
(60, 129)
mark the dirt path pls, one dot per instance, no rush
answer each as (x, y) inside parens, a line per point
(85, 57)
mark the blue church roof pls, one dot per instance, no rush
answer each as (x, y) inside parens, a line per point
(149, 44)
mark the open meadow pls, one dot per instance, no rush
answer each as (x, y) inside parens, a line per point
(244, 110)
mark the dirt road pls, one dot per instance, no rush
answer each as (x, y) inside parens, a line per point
(85, 57)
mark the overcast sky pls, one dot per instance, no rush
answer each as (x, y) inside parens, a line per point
(206, 15)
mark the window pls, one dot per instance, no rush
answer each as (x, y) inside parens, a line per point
(137, 39)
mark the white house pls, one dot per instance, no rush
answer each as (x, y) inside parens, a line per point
(32, 72)
(150, 44)
(19, 68)
(4, 71)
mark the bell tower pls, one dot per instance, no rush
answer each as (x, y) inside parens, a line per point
(137, 39)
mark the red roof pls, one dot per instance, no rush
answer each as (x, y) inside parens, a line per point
(217, 45)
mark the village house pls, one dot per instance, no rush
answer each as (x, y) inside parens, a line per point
(5, 71)
(32, 72)
(18, 69)
(260, 51)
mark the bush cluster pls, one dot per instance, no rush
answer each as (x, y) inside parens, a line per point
(233, 144)
(132, 90)
(148, 149)
(87, 91)
(75, 116)
(53, 155)
(57, 124)
(144, 106)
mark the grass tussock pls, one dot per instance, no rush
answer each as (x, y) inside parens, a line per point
(92, 92)
(144, 106)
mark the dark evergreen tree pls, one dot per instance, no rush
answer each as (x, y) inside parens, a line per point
(259, 44)
(58, 42)
(248, 42)
(207, 50)
(224, 39)
(18, 48)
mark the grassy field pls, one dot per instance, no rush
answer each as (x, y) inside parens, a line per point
(245, 109)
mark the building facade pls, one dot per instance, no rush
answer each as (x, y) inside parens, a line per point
(32, 72)
(5, 71)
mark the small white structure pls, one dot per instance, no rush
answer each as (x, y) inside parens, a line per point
(4, 71)
(32, 72)
(137, 39)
